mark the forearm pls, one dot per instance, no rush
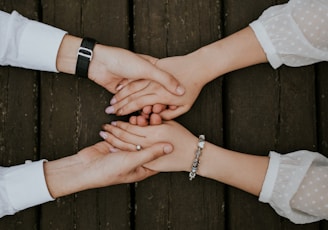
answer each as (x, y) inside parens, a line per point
(234, 52)
(64, 176)
(243, 171)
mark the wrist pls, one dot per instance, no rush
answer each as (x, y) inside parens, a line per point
(64, 176)
(97, 66)
(67, 54)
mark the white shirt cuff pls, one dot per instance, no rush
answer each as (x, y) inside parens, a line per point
(266, 44)
(26, 185)
(270, 178)
(39, 45)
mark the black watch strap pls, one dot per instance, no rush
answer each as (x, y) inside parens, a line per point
(84, 57)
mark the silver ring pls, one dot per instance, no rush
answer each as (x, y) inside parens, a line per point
(138, 147)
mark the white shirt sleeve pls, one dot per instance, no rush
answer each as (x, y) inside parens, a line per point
(295, 33)
(33, 45)
(296, 186)
(27, 43)
(22, 186)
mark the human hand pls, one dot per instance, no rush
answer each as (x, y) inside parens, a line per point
(141, 94)
(96, 166)
(125, 136)
(110, 66)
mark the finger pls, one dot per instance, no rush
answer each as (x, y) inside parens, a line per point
(169, 114)
(103, 147)
(133, 129)
(128, 89)
(131, 88)
(132, 104)
(142, 121)
(157, 108)
(122, 84)
(123, 135)
(117, 143)
(133, 120)
(149, 154)
(166, 80)
(140, 174)
(155, 119)
(148, 58)
(147, 109)
(145, 115)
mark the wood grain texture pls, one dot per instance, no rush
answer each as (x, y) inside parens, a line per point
(19, 112)
(73, 112)
(170, 201)
(254, 110)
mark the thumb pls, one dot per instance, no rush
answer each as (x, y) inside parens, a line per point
(170, 114)
(152, 153)
(166, 80)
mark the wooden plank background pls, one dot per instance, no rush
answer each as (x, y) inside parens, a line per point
(254, 110)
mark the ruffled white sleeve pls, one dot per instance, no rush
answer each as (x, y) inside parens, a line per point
(294, 34)
(22, 186)
(296, 186)
(27, 43)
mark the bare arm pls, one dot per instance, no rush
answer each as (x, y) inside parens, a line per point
(193, 71)
(243, 171)
(95, 167)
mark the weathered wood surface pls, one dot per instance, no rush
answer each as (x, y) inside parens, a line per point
(170, 201)
(254, 110)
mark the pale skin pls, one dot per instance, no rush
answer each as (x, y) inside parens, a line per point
(194, 71)
(109, 67)
(96, 166)
(226, 166)
(63, 176)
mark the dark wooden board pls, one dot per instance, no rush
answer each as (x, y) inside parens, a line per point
(322, 114)
(73, 112)
(19, 135)
(266, 110)
(254, 110)
(250, 119)
(170, 201)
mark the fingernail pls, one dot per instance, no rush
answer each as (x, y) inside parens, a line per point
(119, 112)
(113, 150)
(113, 123)
(110, 110)
(103, 134)
(180, 90)
(113, 101)
(119, 87)
(168, 149)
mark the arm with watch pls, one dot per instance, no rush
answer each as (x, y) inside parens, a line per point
(33, 183)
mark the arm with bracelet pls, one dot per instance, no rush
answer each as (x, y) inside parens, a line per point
(295, 184)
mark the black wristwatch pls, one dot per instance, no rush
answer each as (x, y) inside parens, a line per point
(84, 57)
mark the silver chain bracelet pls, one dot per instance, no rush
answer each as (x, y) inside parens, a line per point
(195, 163)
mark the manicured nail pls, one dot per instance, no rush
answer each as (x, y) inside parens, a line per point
(180, 90)
(110, 110)
(113, 101)
(168, 149)
(119, 87)
(103, 134)
(113, 150)
(114, 123)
